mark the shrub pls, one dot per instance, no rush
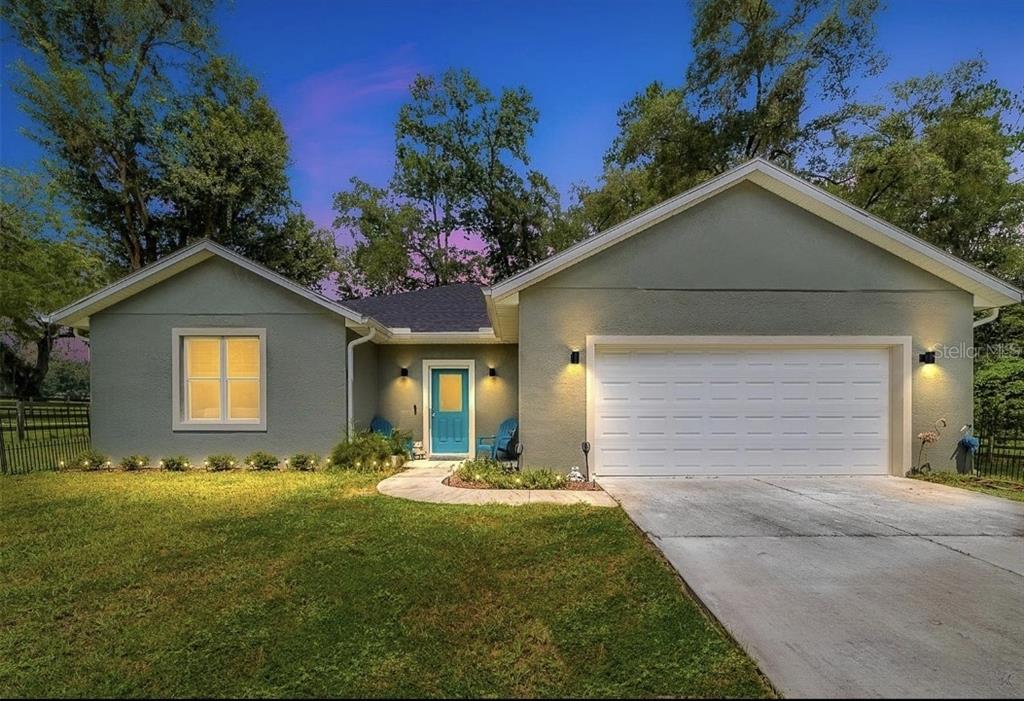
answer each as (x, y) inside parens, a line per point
(261, 460)
(219, 463)
(90, 460)
(400, 442)
(494, 474)
(366, 451)
(134, 462)
(175, 463)
(304, 461)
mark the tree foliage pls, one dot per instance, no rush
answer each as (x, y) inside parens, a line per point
(44, 265)
(153, 138)
(767, 80)
(461, 174)
(936, 158)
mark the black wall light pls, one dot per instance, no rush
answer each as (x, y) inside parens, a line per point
(404, 372)
(928, 357)
(574, 357)
(491, 372)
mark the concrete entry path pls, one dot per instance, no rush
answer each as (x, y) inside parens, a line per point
(424, 481)
(850, 586)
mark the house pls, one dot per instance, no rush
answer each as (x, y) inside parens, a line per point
(755, 324)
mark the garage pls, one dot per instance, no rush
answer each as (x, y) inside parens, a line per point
(666, 408)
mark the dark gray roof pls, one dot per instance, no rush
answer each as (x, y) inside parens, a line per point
(449, 308)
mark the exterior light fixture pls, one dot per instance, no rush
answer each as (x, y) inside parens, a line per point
(404, 372)
(928, 357)
(491, 372)
(574, 356)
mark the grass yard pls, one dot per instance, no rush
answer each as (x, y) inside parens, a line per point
(996, 486)
(312, 584)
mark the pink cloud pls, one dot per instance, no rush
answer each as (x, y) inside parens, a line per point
(340, 124)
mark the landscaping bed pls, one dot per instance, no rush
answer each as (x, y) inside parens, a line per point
(485, 473)
(454, 480)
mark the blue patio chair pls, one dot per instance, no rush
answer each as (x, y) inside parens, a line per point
(382, 426)
(502, 445)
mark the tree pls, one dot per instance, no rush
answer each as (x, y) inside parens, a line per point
(43, 266)
(99, 99)
(937, 159)
(461, 171)
(747, 93)
(154, 140)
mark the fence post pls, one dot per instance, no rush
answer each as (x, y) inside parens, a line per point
(3, 449)
(20, 419)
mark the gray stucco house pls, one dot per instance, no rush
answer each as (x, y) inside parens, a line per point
(755, 324)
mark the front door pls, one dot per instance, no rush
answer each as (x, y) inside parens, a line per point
(449, 411)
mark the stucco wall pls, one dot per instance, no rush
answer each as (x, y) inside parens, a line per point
(131, 366)
(364, 387)
(745, 262)
(496, 397)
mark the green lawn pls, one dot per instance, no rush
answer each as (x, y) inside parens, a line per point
(309, 584)
(996, 486)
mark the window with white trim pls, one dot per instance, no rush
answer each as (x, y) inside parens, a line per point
(220, 379)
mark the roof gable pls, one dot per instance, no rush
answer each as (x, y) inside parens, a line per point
(987, 290)
(77, 314)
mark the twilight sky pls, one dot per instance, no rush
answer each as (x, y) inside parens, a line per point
(337, 70)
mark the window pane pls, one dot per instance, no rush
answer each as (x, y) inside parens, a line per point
(243, 357)
(243, 399)
(450, 392)
(204, 399)
(203, 357)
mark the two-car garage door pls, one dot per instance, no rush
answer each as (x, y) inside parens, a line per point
(679, 410)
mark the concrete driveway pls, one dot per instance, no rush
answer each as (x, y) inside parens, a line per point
(850, 586)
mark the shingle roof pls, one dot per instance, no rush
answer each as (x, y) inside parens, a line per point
(449, 308)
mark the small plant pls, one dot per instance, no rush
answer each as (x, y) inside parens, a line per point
(401, 442)
(91, 460)
(175, 463)
(303, 461)
(219, 463)
(134, 462)
(366, 452)
(261, 460)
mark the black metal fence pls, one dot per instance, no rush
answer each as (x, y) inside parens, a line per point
(1001, 449)
(41, 435)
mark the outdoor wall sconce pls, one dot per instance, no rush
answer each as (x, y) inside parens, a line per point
(404, 372)
(491, 372)
(574, 357)
(928, 357)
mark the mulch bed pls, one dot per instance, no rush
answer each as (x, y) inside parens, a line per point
(454, 481)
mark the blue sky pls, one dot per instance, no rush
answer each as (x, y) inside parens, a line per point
(337, 71)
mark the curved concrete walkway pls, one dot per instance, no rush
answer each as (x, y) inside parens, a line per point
(424, 483)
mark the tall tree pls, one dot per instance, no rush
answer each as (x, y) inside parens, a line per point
(461, 171)
(153, 139)
(937, 158)
(43, 266)
(766, 80)
(98, 95)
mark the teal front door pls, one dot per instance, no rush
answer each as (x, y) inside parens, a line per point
(449, 411)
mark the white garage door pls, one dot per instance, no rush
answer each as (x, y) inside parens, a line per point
(679, 411)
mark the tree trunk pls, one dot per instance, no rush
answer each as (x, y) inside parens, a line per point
(21, 377)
